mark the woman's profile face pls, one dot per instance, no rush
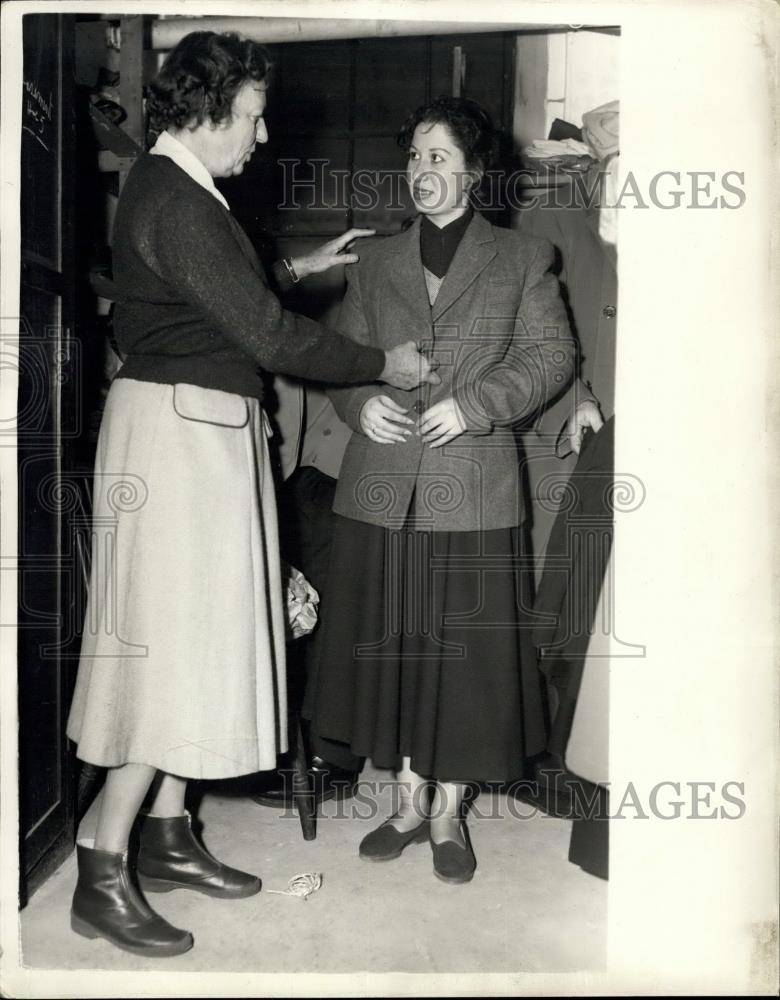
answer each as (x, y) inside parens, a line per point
(436, 171)
(232, 142)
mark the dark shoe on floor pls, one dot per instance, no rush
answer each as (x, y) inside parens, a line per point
(106, 904)
(553, 790)
(453, 861)
(329, 782)
(386, 843)
(170, 857)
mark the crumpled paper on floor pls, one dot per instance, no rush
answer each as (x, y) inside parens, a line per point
(301, 600)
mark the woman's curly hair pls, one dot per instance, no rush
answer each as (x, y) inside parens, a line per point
(469, 125)
(200, 78)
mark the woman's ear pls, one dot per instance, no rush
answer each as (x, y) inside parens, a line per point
(213, 126)
(472, 180)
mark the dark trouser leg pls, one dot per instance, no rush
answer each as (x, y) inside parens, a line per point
(305, 505)
(559, 673)
(589, 843)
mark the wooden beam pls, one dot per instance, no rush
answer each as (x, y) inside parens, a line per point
(131, 69)
(168, 32)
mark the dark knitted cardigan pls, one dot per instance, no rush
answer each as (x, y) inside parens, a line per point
(193, 302)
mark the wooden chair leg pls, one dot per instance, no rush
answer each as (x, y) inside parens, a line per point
(303, 786)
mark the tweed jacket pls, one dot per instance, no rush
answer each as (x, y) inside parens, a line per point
(307, 428)
(499, 333)
(588, 274)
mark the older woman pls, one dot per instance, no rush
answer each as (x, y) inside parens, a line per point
(425, 666)
(182, 668)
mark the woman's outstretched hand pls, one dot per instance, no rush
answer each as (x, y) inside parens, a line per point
(383, 420)
(330, 254)
(442, 423)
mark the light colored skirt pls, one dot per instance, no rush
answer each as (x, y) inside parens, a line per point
(183, 652)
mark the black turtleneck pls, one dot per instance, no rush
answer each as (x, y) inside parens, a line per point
(438, 244)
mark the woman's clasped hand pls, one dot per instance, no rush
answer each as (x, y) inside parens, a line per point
(385, 421)
(442, 423)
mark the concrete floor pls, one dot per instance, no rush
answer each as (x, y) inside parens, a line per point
(527, 909)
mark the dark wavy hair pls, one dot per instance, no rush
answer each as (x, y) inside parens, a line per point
(469, 124)
(200, 78)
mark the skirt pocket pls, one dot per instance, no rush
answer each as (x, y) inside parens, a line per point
(210, 406)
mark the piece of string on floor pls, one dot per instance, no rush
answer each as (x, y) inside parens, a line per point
(301, 886)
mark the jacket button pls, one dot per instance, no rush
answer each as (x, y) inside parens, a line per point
(609, 311)
(326, 432)
(419, 406)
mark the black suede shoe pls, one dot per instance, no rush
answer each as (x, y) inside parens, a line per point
(386, 843)
(452, 861)
(329, 782)
(106, 904)
(171, 858)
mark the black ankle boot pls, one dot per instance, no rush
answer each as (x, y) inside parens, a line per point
(107, 904)
(170, 857)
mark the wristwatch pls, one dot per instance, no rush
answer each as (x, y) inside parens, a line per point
(287, 261)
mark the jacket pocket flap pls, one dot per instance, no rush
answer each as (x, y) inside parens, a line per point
(210, 406)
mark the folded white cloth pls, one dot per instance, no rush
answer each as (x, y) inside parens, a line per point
(541, 149)
(600, 129)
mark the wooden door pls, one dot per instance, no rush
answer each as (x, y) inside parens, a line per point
(48, 421)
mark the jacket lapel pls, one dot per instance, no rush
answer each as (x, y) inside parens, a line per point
(477, 248)
(406, 276)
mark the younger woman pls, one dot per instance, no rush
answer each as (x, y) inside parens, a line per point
(424, 665)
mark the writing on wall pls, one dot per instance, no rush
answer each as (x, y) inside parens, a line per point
(37, 114)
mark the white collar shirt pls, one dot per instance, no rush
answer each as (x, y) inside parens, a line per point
(168, 145)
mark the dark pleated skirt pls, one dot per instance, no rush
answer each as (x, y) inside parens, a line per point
(426, 652)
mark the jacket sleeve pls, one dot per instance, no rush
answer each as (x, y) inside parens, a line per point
(536, 221)
(503, 388)
(199, 256)
(348, 402)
